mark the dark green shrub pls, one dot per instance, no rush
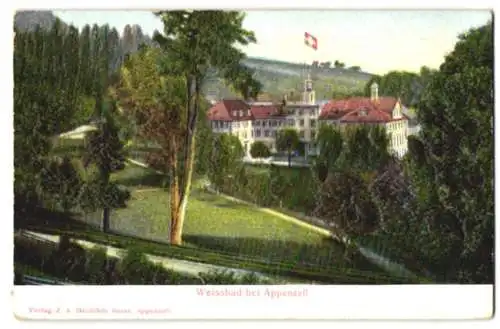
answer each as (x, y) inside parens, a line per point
(97, 266)
(68, 261)
(33, 252)
(136, 268)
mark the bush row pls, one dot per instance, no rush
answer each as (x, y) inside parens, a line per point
(71, 262)
(272, 186)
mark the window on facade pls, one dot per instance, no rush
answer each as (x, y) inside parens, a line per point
(274, 133)
(252, 133)
(266, 133)
(236, 124)
(264, 123)
(257, 132)
(301, 134)
(291, 122)
(301, 122)
(313, 134)
(257, 123)
(312, 123)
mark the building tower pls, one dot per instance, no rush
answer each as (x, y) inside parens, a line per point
(308, 96)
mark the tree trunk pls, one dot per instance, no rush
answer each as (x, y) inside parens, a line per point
(180, 211)
(289, 159)
(175, 216)
(105, 175)
(189, 153)
(105, 219)
(174, 192)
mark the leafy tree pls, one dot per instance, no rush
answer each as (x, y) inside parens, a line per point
(61, 181)
(339, 64)
(330, 144)
(355, 68)
(106, 151)
(259, 150)
(204, 135)
(393, 193)
(225, 159)
(156, 103)
(406, 85)
(195, 42)
(379, 150)
(455, 168)
(366, 147)
(46, 91)
(344, 200)
(287, 140)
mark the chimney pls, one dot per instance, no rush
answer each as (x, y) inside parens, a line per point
(374, 92)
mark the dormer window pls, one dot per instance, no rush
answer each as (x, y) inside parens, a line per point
(363, 112)
(241, 113)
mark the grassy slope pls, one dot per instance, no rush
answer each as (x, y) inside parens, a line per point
(216, 223)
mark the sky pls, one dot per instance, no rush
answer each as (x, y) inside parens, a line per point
(377, 41)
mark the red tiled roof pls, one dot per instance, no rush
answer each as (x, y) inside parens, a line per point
(366, 116)
(265, 111)
(225, 110)
(350, 110)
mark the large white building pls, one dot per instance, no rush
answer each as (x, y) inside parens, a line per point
(374, 110)
(261, 121)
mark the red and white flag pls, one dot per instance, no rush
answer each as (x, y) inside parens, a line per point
(311, 41)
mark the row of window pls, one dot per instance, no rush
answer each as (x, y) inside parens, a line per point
(399, 139)
(300, 112)
(272, 133)
(241, 113)
(220, 124)
(264, 123)
(396, 125)
(258, 133)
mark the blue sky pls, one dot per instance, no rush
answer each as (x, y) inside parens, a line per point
(378, 41)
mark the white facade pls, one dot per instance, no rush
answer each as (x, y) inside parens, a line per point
(398, 132)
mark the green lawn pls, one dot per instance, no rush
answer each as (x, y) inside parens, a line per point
(215, 223)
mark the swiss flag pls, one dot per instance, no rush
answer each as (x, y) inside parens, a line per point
(310, 41)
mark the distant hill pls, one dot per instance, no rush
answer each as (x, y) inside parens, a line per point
(277, 77)
(29, 19)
